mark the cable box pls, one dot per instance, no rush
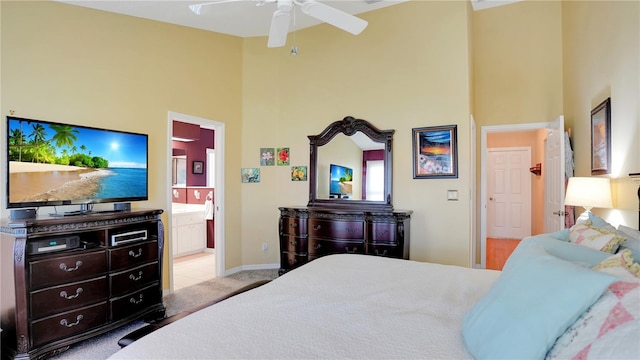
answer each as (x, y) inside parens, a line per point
(53, 244)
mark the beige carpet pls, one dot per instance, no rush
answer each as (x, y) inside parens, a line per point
(103, 346)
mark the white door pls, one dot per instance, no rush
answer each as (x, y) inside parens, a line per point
(509, 193)
(554, 176)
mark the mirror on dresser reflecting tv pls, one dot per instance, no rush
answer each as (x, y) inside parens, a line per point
(350, 166)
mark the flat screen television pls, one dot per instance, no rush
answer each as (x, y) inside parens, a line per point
(341, 178)
(51, 164)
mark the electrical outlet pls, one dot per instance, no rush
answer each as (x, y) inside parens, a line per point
(265, 247)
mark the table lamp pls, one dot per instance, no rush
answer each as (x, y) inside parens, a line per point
(588, 192)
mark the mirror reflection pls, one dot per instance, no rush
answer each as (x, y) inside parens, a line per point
(179, 170)
(351, 168)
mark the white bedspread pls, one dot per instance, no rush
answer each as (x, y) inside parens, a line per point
(338, 306)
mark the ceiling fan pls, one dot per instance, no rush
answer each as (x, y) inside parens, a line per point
(280, 19)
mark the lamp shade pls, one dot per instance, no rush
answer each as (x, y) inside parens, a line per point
(589, 192)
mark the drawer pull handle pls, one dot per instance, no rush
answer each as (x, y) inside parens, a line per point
(293, 261)
(294, 225)
(317, 246)
(64, 322)
(136, 278)
(293, 243)
(133, 254)
(64, 267)
(317, 227)
(63, 294)
(384, 253)
(346, 248)
(135, 302)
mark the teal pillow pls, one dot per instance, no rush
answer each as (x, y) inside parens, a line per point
(530, 305)
(578, 254)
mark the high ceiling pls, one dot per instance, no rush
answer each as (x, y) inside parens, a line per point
(243, 18)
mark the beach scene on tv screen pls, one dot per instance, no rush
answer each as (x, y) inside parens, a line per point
(56, 162)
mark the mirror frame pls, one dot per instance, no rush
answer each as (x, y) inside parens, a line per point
(349, 126)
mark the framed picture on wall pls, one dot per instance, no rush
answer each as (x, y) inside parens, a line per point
(601, 138)
(435, 152)
(198, 167)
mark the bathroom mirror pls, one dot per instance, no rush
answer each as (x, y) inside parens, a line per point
(350, 166)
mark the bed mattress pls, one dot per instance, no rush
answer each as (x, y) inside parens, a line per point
(338, 306)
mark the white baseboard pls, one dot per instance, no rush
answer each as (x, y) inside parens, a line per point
(251, 267)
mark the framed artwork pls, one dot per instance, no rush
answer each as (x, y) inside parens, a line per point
(198, 167)
(267, 157)
(283, 156)
(250, 175)
(601, 138)
(435, 152)
(298, 173)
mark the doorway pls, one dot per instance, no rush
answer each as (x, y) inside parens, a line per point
(551, 187)
(215, 178)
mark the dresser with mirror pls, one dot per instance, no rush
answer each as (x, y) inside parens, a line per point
(350, 207)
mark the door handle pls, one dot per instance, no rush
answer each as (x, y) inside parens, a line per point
(559, 213)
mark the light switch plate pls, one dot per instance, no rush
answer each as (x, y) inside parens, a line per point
(452, 195)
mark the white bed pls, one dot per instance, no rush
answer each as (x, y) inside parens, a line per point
(338, 306)
(549, 301)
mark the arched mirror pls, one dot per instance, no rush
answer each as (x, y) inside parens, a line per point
(350, 166)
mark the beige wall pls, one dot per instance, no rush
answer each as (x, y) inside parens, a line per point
(408, 69)
(602, 56)
(71, 64)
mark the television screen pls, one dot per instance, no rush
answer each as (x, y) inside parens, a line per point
(341, 178)
(60, 164)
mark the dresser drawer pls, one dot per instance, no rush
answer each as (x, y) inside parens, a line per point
(290, 261)
(394, 251)
(336, 229)
(133, 303)
(293, 226)
(381, 232)
(61, 298)
(68, 324)
(293, 244)
(67, 268)
(132, 279)
(319, 247)
(128, 256)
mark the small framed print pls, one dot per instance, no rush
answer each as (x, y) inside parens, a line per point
(601, 138)
(283, 156)
(250, 175)
(198, 167)
(298, 173)
(435, 153)
(267, 157)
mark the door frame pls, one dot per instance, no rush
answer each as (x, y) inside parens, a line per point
(219, 229)
(485, 131)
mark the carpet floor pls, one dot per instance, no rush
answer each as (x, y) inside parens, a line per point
(103, 346)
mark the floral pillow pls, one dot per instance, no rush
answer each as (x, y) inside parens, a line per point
(609, 329)
(620, 265)
(594, 237)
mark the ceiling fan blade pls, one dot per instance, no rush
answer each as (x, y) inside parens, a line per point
(279, 28)
(333, 16)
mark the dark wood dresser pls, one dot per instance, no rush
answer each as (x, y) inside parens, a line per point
(67, 279)
(307, 233)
